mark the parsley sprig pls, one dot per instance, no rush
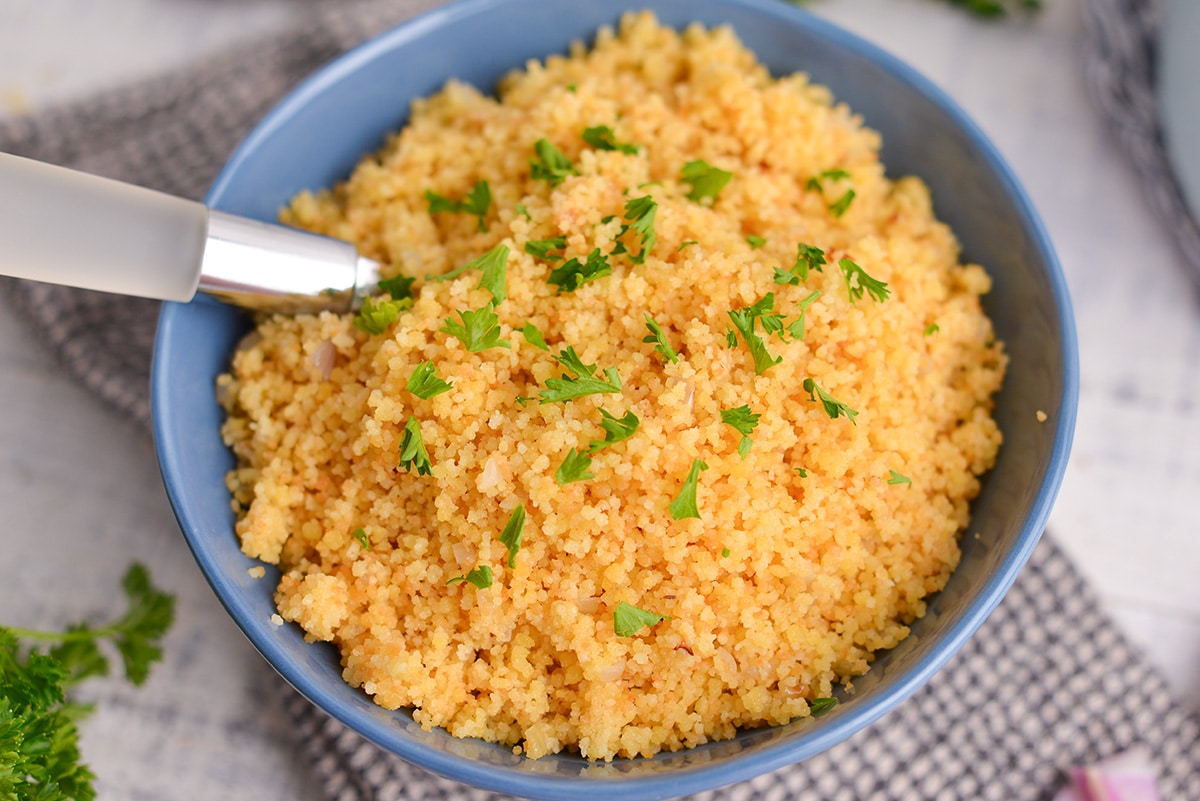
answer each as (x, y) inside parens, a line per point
(494, 268)
(639, 218)
(425, 383)
(857, 281)
(744, 320)
(658, 338)
(375, 316)
(684, 505)
(628, 619)
(413, 455)
(616, 429)
(833, 407)
(39, 742)
(575, 273)
(477, 329)
(601, 137)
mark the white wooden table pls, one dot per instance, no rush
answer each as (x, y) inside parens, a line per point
(79, 491)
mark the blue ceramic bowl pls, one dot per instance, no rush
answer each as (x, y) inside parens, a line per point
(314, 138)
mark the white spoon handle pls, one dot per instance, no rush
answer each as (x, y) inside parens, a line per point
(67, 227)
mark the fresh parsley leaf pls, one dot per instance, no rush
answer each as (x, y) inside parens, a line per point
(744, 320)
(743, 421)
(544, 248)
(573, 274)
(477, 203)
(424, 382)
(785, 277)
(808, 258)
(601, 137)
(478, 331)
(639, 216)
(534, 337)
(896, 478)
(398, 287)
(684, 504)
(574, 468)
(795, 328)
(932, 329)
(480, 576)
(814, 184)
(819, 706)
(706, 180)
(839, 206)
(510, 537)
(584, 382)
(857, 281)
(659, 337)
(493, 264)
(628, 619)
(374, 317)
(360, 534)
(550, 165)
(833, 407)
(412, 449)
(755, 241)
(731, 339)
(616, 429)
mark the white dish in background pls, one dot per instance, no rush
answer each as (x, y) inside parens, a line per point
(1179, 94)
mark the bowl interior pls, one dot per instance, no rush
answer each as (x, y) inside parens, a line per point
(317, 134)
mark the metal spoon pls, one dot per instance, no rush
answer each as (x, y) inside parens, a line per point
(67, 227)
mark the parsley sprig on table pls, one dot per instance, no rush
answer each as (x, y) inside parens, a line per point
(39, 741)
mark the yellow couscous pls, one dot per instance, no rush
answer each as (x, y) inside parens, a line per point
(738, 466)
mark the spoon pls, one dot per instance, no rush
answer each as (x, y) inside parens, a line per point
(66, 227)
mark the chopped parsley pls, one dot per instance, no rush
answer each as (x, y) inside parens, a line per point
(744, 320)
(932, 329)
(796, 327)
(639, 216)
(684, 504)
(573, 274)
(628, 619)
(819, 706)
(839, 206)
(375, 316)
(706, 180)
(725, 553)
(755, 241)
(424, 382)
(550, 165)
(478, 329)
(360, 534)
(601, 137)
(494, 266)
(544, 248)
(524, 212)
(480, 576)
(814, 184)
(833, 407)
(808, 258)
(800, 471)
(574, 468)
(412, 449)
(743, 421)
(688, 243)
(659, 337)
(584, 382)
(616, 429)
(398, 287)
(476, 203)
(731, 339)
(857, 281)
(896, 478)
(510, 537)
(534, 337)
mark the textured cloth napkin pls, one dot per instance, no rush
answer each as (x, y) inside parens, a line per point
(1047, 682)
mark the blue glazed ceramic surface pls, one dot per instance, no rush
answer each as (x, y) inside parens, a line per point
(315, 136)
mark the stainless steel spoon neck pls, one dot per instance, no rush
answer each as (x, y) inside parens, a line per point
(273, 268)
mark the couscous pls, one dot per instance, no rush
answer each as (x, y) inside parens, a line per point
(674, 427)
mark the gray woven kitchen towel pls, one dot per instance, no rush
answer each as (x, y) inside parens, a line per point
(1048, 682)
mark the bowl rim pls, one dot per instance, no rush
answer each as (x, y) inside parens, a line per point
(766, 757)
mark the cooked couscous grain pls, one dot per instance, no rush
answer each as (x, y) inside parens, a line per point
(765, 578)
